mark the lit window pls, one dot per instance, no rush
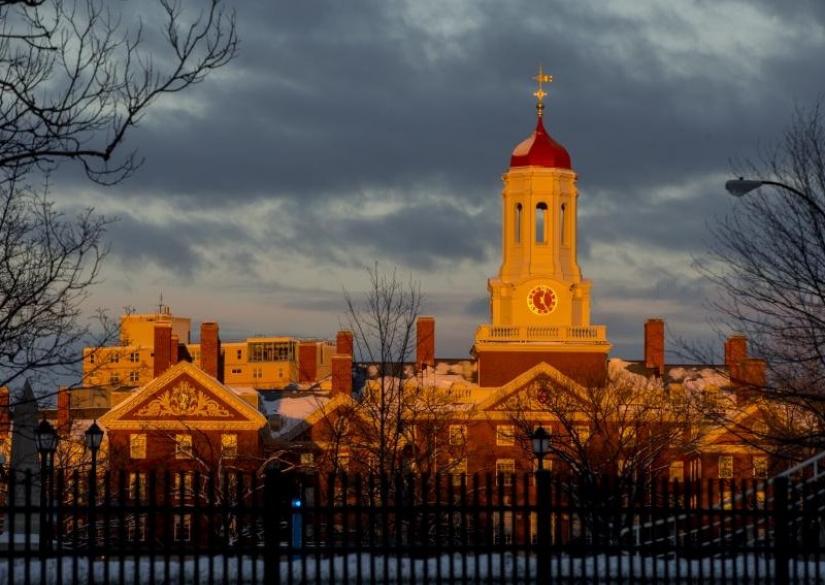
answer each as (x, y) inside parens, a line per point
(760, 466)
(134, 376)
(541, 223)
(457, 434)
(137, 446)
(505, 435)
(677, 471)
(137, 486)
(183, 481)
(726, 467)
(582, 433)
(229, 446)
(134, 357)
(458, 470)
(505, 468)
(183, 446)
(307, 459)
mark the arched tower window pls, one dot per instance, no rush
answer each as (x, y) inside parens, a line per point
(517, 223)
(562, 225)
(541, 223)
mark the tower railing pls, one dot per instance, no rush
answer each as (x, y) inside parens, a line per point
(560, 333)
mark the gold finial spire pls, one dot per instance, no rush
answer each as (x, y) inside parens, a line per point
(540, 94)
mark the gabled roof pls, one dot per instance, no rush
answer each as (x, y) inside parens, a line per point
(184, 398)
(517, 384)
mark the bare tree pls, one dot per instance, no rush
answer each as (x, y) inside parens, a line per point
(623, 434)
(73, 80)
(768, 261)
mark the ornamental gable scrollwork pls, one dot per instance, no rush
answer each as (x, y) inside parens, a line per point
(183, 400)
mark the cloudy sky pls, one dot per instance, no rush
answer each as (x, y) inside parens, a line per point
(352, 132)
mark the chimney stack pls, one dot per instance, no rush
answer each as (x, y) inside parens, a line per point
(210, 349)
(162, 351)
(424, 342)
(307, 361)
(736, 352)
(63, 406)
(5, 411)
(655, 345)
(342, 364)
(343, 342)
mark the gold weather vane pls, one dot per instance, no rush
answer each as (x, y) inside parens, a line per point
(540, 94)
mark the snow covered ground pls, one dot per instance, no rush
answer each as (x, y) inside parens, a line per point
(487, 568)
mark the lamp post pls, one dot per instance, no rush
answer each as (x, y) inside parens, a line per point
(45, 440)
(94, 437)
(540, 439)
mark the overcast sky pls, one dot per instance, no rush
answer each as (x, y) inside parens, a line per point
(352, 132)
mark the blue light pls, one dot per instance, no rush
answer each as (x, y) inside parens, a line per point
(296, 503)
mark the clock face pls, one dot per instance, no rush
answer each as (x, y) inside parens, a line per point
(542, 300)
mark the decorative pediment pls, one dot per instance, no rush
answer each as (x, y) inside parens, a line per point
(529, 391)
(184, 398)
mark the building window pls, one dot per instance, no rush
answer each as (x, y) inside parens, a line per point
(505, 435)
(137, 486)
(92, 357)
(183, 481)
(114, 378)
(677, 471)
(458, 433)
(229, 445)
(237, 370)
(239, 354)
(726, 467)
(114, 357)
(183, 527)
(183, 446)
(760, 466)
(279, 351)
(541, 223)
(134, 357)
(505, 468)
(563, 234)
(137, 446)
(257, 373)
(582, 433)
(307, 459)
(458, 470)
(137, 528)
(134, 376)
(517, 223)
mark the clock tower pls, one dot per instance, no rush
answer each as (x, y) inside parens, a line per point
(539, 302)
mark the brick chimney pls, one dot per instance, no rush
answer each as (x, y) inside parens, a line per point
(63, 405)
(307, 361)
(5, 411)
(210, 349)
(751, 379)
(162, 351)
(342, 363)
(736, 352)
(173, 350)
(655, 345)
(425, 342)
(343, 342)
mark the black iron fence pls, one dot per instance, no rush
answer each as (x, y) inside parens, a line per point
(298, 528)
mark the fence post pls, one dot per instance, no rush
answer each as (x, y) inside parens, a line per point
(272, 526)
(781, 531)
(543, 525)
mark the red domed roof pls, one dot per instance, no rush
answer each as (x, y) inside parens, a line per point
(540, 150)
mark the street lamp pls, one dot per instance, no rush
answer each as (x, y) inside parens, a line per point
(94, 437)
(540, 439)
(742, 186)
(45, 439)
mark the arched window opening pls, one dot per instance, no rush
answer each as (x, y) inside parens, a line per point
(541, 223)
(562, 224)
(517, 222)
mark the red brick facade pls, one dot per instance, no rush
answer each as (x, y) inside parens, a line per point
(655, 345)
(496, 368)
(308, 361)
(425, 342)
(211, 349)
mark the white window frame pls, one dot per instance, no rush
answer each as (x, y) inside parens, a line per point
(505, 435)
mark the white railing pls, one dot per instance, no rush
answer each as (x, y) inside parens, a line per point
(592, 334)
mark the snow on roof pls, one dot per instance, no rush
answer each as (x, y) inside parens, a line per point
(286, 411)
(698, 378)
